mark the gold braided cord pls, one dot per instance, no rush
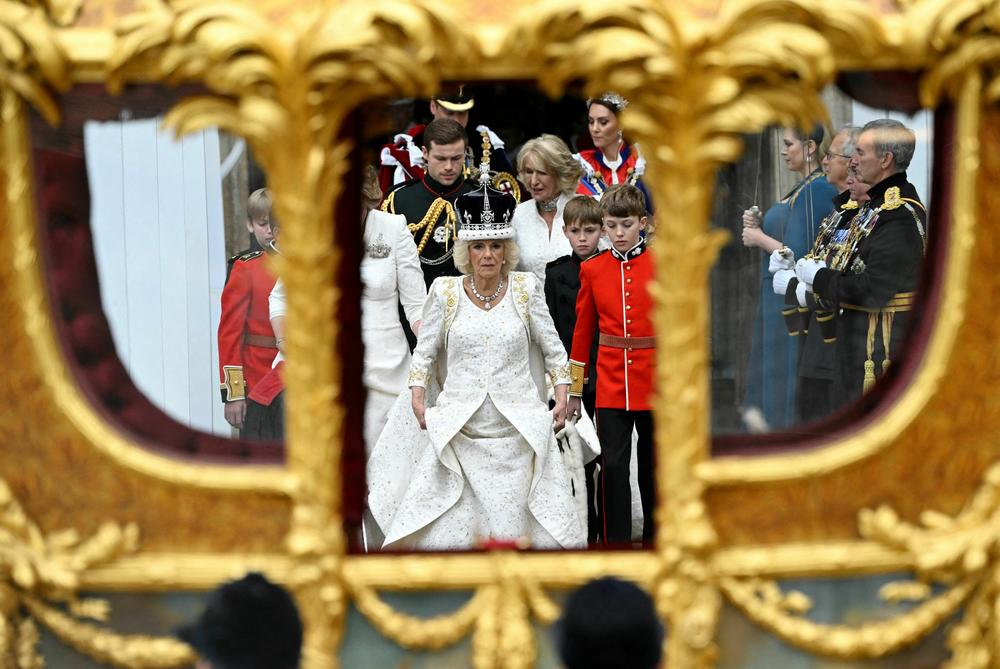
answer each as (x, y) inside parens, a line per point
(118, 650)
(428, 222)
(419, 633)
(871, 640)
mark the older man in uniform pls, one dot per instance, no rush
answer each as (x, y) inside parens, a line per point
(403, 160)
(879, 261)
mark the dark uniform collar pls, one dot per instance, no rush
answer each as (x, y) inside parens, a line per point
(633, 252)
(578, 260)
(877, 192)
(840, 199)
(441, 190)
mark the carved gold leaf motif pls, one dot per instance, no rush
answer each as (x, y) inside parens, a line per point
(39, 570)
(698, 77)
(32, 62)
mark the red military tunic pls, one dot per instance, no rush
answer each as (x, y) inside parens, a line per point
(614, 297)
(246, 341)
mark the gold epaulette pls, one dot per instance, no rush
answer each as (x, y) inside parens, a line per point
(850, 204)
(893, 200)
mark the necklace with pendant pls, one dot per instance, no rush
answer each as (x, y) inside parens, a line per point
(486, 300)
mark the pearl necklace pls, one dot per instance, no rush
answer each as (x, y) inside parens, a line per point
(486, 300)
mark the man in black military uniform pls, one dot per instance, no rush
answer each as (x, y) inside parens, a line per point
(429, 203)
(399, 161)
(879, 263)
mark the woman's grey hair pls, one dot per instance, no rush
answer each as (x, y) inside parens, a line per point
(553, 156)
(511, 254)
(893, 137)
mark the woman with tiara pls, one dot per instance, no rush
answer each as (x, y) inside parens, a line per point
(612, 160)
(469, 455)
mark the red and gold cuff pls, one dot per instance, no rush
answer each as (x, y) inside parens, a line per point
(577, 378)
(233, 386)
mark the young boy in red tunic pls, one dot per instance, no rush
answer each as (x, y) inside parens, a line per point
(246, 341)
(614, 297)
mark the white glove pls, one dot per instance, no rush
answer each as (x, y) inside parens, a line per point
(780, 281)
(800, 293)
(806, 270)
(779, 261)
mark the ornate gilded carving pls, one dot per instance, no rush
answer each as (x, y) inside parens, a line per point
(32, 61)
(961, 549)
(38, 570)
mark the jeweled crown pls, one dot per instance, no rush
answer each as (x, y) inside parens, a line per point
(485, 213)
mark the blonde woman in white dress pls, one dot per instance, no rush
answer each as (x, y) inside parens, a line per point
(390, 276)
(551, 174)
(469, 456)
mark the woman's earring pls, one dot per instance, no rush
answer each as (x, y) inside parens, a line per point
(504, 262)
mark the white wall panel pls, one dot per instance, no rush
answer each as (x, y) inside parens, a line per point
(157, 221)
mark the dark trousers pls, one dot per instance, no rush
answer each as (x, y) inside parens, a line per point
(265, 423)
(614, 430)
(593, 482)
(814, 399)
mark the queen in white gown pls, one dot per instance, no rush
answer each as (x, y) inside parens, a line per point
(487, 466)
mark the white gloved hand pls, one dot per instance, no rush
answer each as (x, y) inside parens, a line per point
(778, 261)
(780, 281)
(800, 293)
(806, 270)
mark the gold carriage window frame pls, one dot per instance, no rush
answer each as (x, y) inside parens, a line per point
(287, 76)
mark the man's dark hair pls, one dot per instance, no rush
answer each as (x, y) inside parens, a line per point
(893, 137)
(608, 624)
(247, 624)
(444, 131)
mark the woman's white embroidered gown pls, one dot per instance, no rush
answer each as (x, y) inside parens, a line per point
(487, 467)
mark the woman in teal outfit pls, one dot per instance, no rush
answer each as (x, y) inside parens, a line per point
(791, 223)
